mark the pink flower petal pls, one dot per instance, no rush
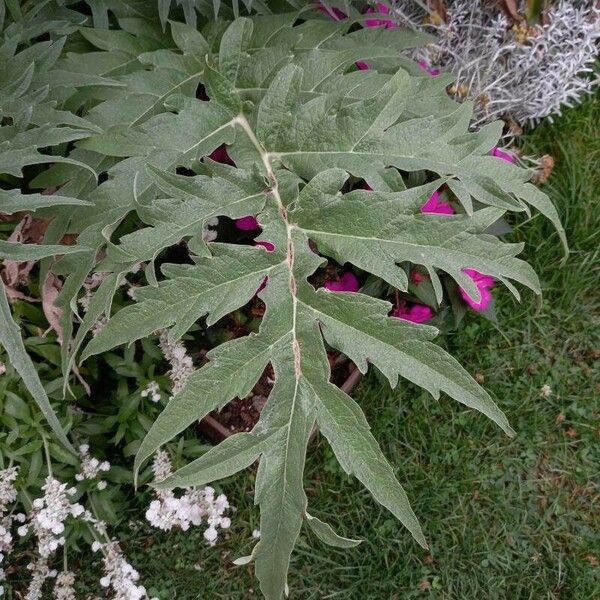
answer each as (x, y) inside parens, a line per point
(348, 282)
(434, 206)
(248, 223)
(417, 277)
(416, 313)
(484, 283)
(484, 302)
(384, 10)
(268, 246)
(433, 72)
(220, 155)
(262, 286)
(331, 11)
(511, 158)
(362, 66)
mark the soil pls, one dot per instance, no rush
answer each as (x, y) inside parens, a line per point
(241, 414)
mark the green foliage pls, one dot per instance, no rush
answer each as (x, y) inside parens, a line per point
(10, 339)
(302, 124)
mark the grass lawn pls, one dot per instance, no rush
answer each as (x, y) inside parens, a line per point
(505, 518)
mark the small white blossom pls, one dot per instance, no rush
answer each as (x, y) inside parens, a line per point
(2, 368)
(90, 467)
(49, 514)
(8, 492)
(210, 535)
(256, 534)
(39, 573)
(90, 284)
(8, 495)
(99, 325)
(63, 586)
(120, 577)
(194, 507)
(546, 391)
(152, 391)
(181, 364)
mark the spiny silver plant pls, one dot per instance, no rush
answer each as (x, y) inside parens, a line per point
(527, 72)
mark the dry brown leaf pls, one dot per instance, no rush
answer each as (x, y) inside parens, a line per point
(14, 273)
(544, 170)
(50, 290)
(439, 8)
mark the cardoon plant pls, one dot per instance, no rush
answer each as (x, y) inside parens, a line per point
(291, 159)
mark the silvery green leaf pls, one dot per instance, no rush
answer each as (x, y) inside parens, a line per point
(12, 201)
(319, 139)
(23, 252)
(326, 534)
(10, 339)
(303, 125)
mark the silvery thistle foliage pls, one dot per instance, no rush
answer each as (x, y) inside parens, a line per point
(299, 120)
(523, 71)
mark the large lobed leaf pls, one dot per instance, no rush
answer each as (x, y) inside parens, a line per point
(304, 132)
(298, 119)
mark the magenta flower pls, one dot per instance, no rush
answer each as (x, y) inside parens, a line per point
(331, 11)
(248, 223)
(262, 285)
(433, 72)
(416, 277)
(220, 155)
(484, 283)
(384, 10)
(434, 206)
(511, 158)
(348, 282)
(268, 246)
(361, 65)
(416, 313)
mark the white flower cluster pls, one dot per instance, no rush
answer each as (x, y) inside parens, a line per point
(90, 284)
(39, 573)
(119, 576)
(47, 520)
(91, 467)
(181, 364)
(152, 391)
(8, 492)
(512, 68)
(63, 586)
(195, 506)
(2, 368)
(94, 281)
(99, 325)
(6, 541)
(8, 495)
(49, 514)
